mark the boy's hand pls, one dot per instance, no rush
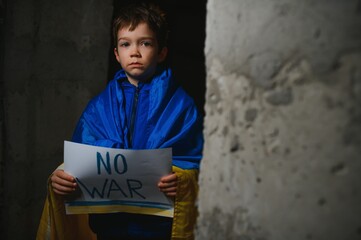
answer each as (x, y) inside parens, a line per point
(168, 185)
(63, 183)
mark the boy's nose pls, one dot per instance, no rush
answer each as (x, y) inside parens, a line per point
(134, 52)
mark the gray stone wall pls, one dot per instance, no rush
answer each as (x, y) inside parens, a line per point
(283, 121)
(56, 59)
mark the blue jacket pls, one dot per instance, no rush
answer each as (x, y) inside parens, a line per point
(158, 114)
(153, 115)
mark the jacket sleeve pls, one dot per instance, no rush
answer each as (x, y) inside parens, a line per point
(56, 225)
(185, 211)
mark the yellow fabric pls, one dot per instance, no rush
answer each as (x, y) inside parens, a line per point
(56, 225)
(185, 211)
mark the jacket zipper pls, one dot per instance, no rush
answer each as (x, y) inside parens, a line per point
(132, 118)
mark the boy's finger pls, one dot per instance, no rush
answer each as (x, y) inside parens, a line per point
(168, 190)
(171, 194)
(169, 178)
(63, 175)
(167, 184)
(61, 192)
(63, 189)
(61, 181)
(58, 192)
(66, 176)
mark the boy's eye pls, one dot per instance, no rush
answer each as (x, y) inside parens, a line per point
(146, 43)
(124, 44)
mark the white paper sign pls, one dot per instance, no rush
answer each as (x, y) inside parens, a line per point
(118, 180)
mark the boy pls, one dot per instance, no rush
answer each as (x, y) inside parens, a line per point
(143, 108)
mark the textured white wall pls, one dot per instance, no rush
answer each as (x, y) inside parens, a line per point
(283, 121)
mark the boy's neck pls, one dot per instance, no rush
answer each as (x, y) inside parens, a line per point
(133, 82)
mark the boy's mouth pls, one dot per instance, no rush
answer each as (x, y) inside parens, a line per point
(135, 64)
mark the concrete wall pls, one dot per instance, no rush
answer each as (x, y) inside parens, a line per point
(283, 121)
(56, 59)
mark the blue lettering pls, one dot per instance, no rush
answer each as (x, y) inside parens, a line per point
(118, 188)
(134, 185)
(95, 190)
(106, 165)
(125, 166)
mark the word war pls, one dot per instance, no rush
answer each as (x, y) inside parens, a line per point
(112, 189)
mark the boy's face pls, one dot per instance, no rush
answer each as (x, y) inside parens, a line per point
(138, 53)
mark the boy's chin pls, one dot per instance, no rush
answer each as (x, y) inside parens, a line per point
(140, 76)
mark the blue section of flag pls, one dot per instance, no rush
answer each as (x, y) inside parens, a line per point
(119, 202)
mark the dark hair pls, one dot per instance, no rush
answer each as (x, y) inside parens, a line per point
(140, 12)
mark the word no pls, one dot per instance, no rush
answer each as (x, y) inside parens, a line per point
(119, 163)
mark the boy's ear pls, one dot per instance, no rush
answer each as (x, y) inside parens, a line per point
(116, 54)
(162, 54)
